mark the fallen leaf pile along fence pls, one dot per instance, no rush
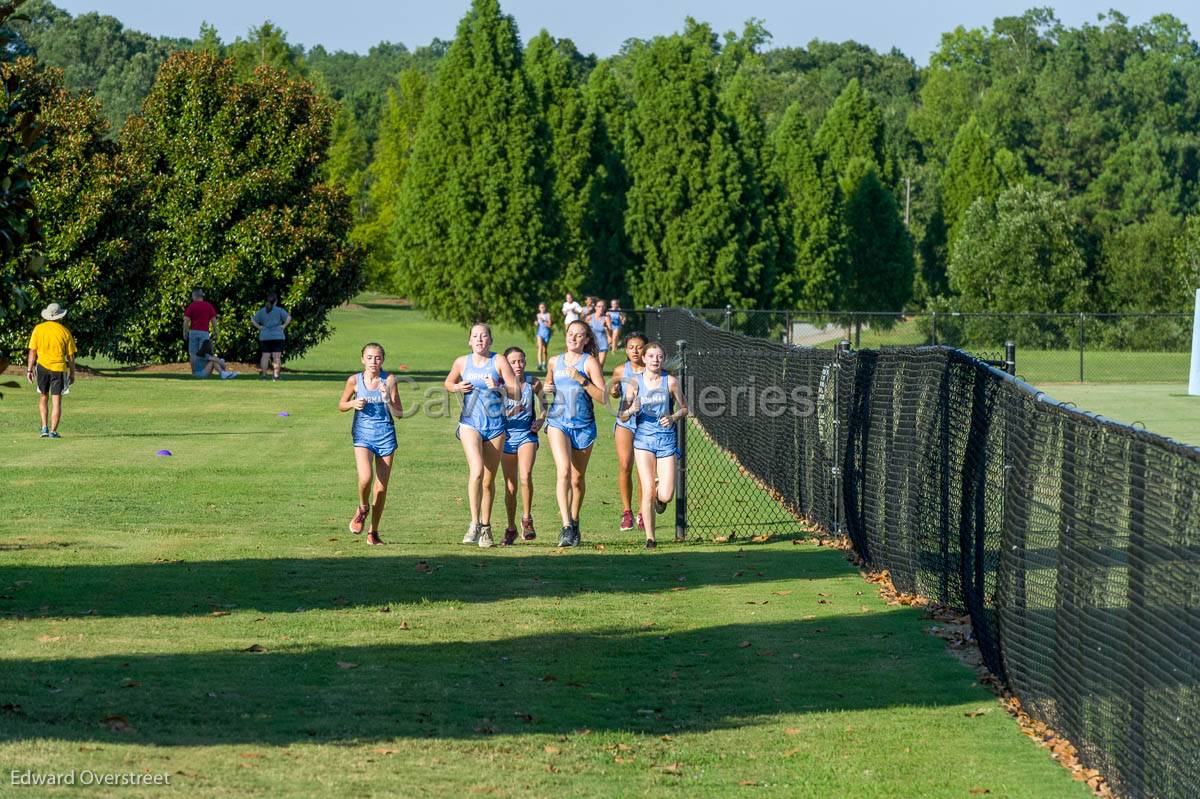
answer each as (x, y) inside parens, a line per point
(1073, 541)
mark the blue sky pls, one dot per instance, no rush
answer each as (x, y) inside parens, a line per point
(600, 26)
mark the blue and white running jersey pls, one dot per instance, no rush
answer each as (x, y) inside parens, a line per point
(483, 407)
(373, 427)
(572, 405)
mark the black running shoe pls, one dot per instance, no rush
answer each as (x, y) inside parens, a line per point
(567, 538)
(651, 543)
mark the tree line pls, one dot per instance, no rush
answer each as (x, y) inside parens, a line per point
(1030, 166)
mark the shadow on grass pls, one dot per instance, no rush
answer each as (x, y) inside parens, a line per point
(289, 585)
(630, 680)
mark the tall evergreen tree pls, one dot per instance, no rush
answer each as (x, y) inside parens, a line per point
(761, 198)
(472, 240)
(971, 172)
(555, 72)
(402, 113)
(610, 256)
(811, 214)
(878, 265)
(852, 129)
(687, 222)
(347, 160)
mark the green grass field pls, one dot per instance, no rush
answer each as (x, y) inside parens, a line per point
(207, 616)
(1162, 408)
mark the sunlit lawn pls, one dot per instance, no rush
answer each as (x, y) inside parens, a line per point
(134, 587)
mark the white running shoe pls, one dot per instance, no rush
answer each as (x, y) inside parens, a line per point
(228, 375)
(472, 536)
(485, 536)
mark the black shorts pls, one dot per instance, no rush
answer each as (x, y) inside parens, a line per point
(50, 383)
(272, 345)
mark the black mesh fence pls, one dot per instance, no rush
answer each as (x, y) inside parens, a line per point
(1073, 541)
(1054, 348)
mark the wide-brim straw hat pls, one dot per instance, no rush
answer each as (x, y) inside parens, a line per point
(53, 312)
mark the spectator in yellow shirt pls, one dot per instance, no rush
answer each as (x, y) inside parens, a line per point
(52, 362)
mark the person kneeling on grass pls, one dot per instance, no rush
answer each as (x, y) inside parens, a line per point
(654, 399)
(207, 364)
(372, 395)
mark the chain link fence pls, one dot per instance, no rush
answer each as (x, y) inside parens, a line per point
(1052, 348)
(1069, 539)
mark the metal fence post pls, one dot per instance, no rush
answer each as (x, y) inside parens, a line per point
(1081, 318)
(728, 317)
(839, 352)
(934, 324)
(1010, 357)
(787, 334)
(681, 427)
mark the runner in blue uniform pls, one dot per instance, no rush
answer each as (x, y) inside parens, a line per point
(617, 318)
(601, 327)
(483, 378)
(371, 394)
(543, 325)
(635, 346)
(520, 448)
(575, 381)
(655, 400)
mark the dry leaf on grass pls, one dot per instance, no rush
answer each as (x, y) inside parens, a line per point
(793, 731)
(781, 593)
(382, 751)
(525, 717)
(423, 566)
(744, 645)
(345, 664)
(46, 639)
(219, 613)
(403, 625)
(255, 648)
(673, 768)
(550, 750)
(118, 724)
(975, 713)
(747, 782)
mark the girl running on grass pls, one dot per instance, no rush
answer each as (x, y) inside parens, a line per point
(601, 327)
(654, 399)
(635, 347)
(520, 449)
(543, 324)
(483, 378)
(575, 380)
(371, 394)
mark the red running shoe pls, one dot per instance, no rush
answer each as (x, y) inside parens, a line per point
(360, 518)
(527, 531)
(626, 521)
(641, 524)
(510, 536)
(373, 538)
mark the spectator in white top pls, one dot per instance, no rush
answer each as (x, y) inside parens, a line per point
(571, 310)
(271, 321)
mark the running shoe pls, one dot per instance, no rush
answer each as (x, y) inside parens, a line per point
(472, 536)
(510, 536)
(485, 536)
(360, 517)
(527, 531)
(575, 533)
(641, 524)
(373, 538)
(44, 432)
(626, 521)
(54, 434)
(567, 538)
(659, 505)
(651, 543)
(228, 375)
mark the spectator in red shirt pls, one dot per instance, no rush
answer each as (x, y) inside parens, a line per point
(199, 323)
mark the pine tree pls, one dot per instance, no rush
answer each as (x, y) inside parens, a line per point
(811, 214)
(761, 199)
(472, 238)
(346, 162)
(687, 221)
(555, 72)
(878, 265)
(853, 128)
(971, 172)
(397, 131)
(609, 256)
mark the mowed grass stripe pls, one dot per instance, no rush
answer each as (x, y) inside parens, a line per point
(696, 670)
